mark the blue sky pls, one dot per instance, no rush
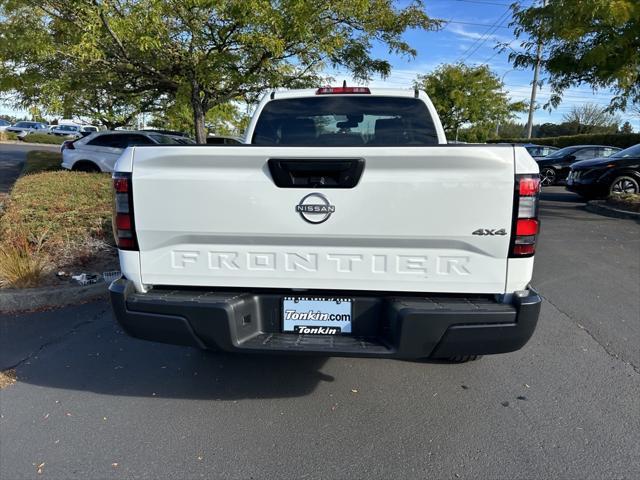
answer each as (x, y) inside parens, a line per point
(475, 27)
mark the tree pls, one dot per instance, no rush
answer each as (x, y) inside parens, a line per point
(591, 118)
(214, 51)
(592, 42)
(511, 129)
(224, 119)
(469, 96)
(626, 128)
(555, 130)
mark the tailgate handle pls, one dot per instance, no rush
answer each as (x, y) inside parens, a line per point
(329, 173)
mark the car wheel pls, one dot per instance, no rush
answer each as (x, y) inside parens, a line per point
(548, 176)
(624, 184)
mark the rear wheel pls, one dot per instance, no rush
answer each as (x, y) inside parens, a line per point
(548, 176)
(624, 184)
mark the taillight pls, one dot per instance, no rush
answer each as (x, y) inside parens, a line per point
(67, 145)
(525, 223)
(123, 225)
(337, 90)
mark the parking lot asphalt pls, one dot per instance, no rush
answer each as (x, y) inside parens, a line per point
(12, 157)
(92, 403)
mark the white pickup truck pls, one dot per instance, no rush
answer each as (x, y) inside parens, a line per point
(345, 225)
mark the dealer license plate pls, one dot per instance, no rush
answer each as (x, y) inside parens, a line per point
(317, 315)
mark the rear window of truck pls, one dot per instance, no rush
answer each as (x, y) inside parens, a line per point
(345, 121)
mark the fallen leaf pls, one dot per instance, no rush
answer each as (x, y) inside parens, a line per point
(40, 468)
(354, 390)
(199, 458)
(114, 464)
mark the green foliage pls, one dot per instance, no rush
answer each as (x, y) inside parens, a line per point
(464, 95)
(213, 52)
(614, 140)
(44, 138)
(8, 136)
(224, 119)
(592, 42)
(626, 128)
(511, 129)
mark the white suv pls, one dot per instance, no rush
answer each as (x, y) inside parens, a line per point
(99, 151)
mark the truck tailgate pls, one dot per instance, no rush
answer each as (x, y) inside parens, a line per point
(214, 216)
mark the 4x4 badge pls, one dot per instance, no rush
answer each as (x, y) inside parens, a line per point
(489, 231)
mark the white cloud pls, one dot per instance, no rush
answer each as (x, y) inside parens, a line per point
(460, 31)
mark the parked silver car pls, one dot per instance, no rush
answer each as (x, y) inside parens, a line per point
(66, 131)
(22, 129)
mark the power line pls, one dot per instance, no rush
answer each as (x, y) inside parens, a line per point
(475, 24)
(480, 41)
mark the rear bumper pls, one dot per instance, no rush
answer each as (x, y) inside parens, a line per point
(384, 325)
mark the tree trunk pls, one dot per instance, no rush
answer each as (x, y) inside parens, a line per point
(198, 114)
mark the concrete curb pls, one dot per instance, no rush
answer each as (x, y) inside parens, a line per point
(29, 144)
(18, 300)
(599, 206)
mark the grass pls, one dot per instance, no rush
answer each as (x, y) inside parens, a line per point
(44, 138)
(627, 201)
(59, 218)
(40, 161)
(7, 377)
(8, 136)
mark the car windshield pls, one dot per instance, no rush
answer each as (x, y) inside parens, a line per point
(24, 124)
(628, 152)
(4, 122)
(330, 120)
(562, 152)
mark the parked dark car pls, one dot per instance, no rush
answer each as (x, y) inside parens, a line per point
(539, 151)
(619, 173)
(554, 168)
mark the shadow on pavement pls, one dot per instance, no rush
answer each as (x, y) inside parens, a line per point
(97, 356)
(559, 194)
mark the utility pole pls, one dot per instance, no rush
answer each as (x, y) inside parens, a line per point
(534, 87)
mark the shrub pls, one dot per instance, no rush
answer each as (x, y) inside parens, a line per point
(622, 140)
(21, 265)
(627, 201)
(7, 136)
(45, 138)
